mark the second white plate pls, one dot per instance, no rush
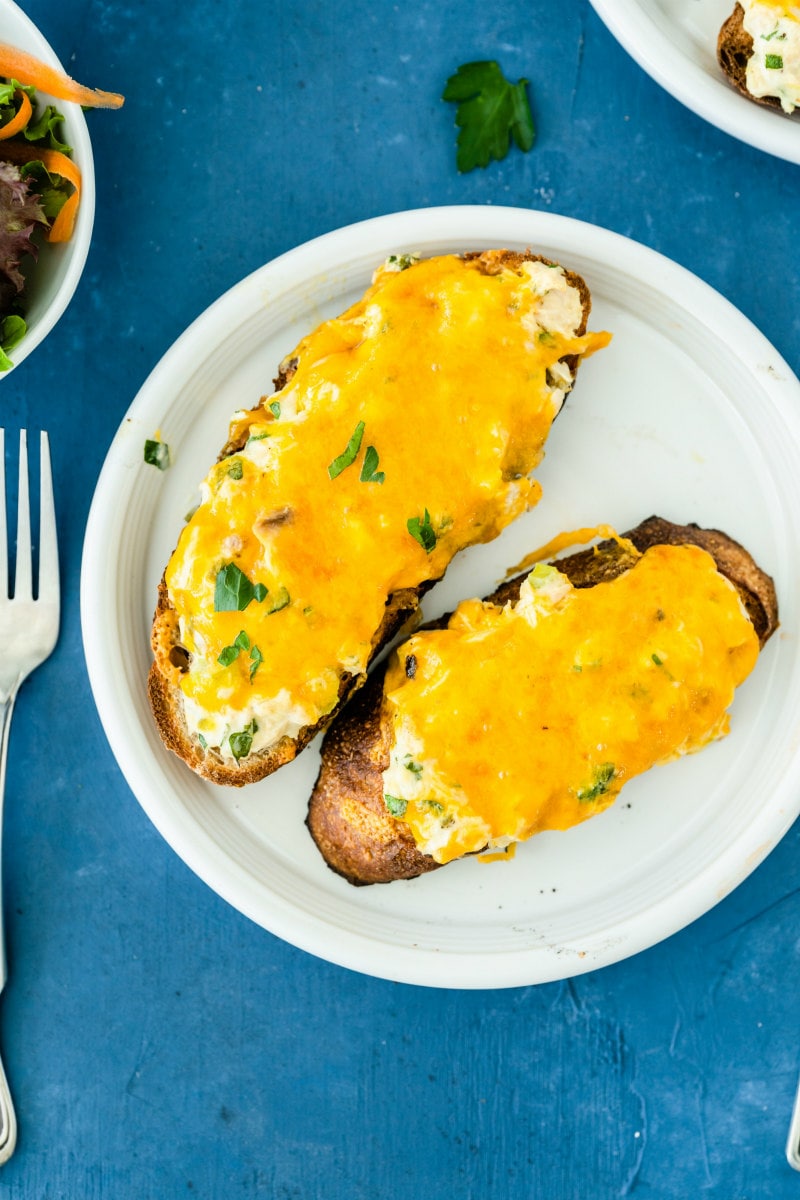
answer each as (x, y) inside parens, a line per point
(690, 413)
(675, 42)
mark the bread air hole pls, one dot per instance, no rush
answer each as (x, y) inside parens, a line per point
(180, 657)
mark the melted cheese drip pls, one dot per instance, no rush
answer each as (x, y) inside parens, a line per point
(455, 374)
(516, 720)
(774, 66)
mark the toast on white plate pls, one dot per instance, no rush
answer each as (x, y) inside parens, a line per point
(399, 433)
(530, 710)
(758, 49)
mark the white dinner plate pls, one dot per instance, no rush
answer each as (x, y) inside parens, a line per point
(690, 413)
(51, 282)
(675, 41)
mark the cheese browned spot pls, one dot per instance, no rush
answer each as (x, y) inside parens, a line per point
(529, 717)
(407, 429)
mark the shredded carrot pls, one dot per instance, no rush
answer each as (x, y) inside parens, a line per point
(20, 118)
(58, 164)
(17, 64)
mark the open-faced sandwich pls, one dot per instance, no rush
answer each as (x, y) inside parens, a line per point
(529, 711)
(759, 50)
(400, 432)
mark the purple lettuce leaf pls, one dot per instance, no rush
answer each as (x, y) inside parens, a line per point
(20, 214)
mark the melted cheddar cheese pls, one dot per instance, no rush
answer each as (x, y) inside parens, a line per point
(530, 717)
(773, 69)
(407, 431)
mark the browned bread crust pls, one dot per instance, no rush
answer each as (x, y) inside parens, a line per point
(347, 817)
(734, 51)
(171, 659)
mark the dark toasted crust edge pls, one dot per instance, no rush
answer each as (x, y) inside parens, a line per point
(734, 50)
(164, 693)
(347, 818)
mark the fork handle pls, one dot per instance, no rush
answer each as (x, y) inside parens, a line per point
(8, 1118)
(6, 709)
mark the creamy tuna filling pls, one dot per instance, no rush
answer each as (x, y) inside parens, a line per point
(774, 67)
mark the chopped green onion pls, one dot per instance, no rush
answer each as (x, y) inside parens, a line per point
(156, 454)
(280, 599)
(600, 783)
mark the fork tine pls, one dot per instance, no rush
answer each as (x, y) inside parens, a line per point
(23, 581)
(3, 535)
(48, 542)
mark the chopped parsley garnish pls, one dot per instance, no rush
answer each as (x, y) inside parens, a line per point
(773, 62)
(369, 471)
(202, 741)
(280, 599)
(241, 743)
(490, 112)
(275, 408)
(414, 767)
(657, 660)
(600, 782)
(156, 454)
(395, 805)
(229, 654)
(422, 531)
(256, 659)
(235, 468)
(233, 591)
(767, 37)
(348, 457)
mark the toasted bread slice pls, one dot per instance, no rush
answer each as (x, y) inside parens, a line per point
(319, 550)
(735, 49)
(348, 816)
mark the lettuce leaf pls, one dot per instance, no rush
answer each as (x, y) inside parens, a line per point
(20, 213)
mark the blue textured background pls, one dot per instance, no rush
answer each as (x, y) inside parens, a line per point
(159, 1044)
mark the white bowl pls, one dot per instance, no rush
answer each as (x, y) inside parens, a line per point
(53, 279)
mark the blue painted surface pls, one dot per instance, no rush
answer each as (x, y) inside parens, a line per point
(157, 1042)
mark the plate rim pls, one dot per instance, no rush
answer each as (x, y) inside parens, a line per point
(205, 858)
(708, 97)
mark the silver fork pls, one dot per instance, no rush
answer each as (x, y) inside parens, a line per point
(28, 633)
